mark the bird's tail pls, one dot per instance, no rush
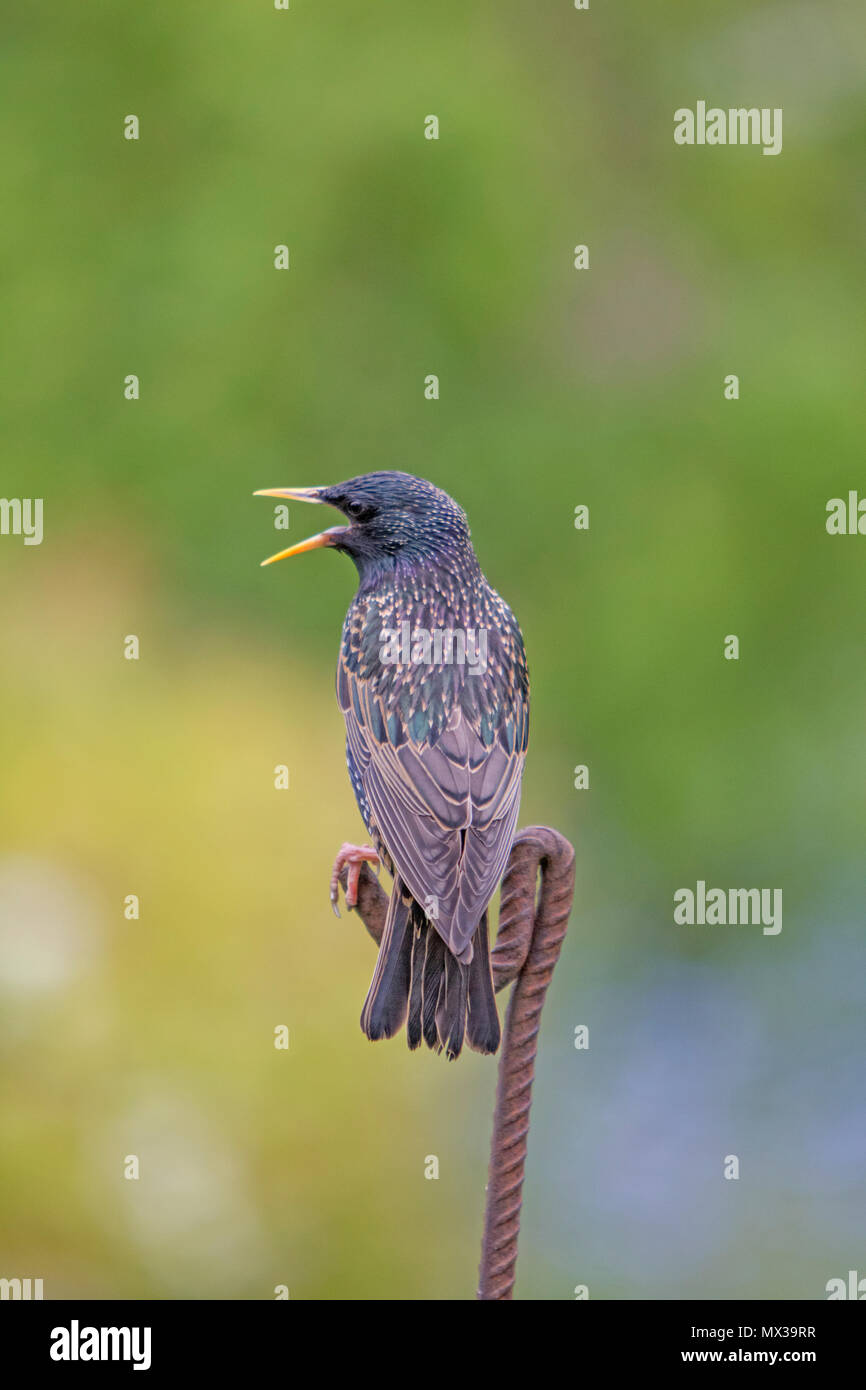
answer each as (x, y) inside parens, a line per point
(388, 996)
(482, 1029)
(416, 975)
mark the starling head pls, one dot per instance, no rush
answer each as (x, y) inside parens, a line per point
(393, 517)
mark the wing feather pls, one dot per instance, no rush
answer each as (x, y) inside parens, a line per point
(439, 759)
(446, 813)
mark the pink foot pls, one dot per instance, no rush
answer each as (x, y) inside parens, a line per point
(353, 856)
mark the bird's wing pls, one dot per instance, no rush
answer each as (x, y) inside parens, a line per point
(446, 808)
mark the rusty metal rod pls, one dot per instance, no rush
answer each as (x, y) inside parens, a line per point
(532, 924)
(527, 948)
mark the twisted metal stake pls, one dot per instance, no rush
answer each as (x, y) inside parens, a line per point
(532, 925)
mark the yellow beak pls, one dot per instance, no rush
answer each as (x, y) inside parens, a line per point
(300, 494)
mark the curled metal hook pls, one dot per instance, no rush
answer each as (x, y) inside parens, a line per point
(537, 892)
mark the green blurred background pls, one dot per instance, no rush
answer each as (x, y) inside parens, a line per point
(603, 387)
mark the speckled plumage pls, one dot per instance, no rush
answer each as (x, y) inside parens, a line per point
(435, 753)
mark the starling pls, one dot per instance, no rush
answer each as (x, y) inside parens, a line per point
(434, 688)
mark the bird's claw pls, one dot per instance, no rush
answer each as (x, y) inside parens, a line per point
(351, 858)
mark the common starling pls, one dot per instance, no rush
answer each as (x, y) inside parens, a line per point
(433, 684)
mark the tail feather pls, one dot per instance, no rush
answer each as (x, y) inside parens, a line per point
(482, 1026)
(414, 1029)
(451, 1010)
(387, 998)
(418, 979)
(433, 980)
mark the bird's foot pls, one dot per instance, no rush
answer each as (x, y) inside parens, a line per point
(350, 857)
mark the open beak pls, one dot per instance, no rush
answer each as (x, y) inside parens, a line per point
(301, 494)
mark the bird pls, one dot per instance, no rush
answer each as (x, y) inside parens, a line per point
(433, 684)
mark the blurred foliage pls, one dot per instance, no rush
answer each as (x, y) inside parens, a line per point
(602, 387)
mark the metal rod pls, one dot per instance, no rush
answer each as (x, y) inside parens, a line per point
(527, 948)
(533, 918)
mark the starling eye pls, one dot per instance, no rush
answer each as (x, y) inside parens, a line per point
(358, 511)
